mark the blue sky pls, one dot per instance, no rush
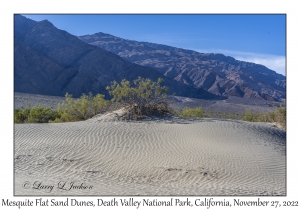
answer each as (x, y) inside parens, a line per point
(255, 38)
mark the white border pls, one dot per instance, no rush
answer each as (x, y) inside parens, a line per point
(8, 8)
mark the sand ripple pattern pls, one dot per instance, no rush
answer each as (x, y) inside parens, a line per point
(179, 157)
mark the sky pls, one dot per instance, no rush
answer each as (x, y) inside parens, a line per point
(255, 38)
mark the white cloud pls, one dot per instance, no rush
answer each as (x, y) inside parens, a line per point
(273, 62)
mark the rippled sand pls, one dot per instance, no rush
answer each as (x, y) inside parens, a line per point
(176, 157)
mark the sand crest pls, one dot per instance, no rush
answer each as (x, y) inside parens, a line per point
(162, 157)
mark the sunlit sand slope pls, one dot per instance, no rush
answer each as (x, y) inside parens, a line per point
(176, 157)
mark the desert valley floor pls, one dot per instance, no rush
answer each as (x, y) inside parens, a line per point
(166, 157)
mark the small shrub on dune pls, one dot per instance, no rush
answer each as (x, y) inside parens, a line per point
(70, 110)
(99, 104)
(35, 114)
(192, 112)
(142, 98)
(279, 116)
(81, 108)
(74, 109)
(21, 114)
(251, 116)
(40, 114)
(232, 117)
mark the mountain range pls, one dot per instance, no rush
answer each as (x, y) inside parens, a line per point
(219, 74)
(50, 61)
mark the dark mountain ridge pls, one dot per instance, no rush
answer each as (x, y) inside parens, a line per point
(216, 73)
(50, 61)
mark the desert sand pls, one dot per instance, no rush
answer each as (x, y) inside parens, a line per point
(102, 156)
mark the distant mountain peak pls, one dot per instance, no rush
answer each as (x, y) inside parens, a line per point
(230, 77)
(46, 23)
(51, 61)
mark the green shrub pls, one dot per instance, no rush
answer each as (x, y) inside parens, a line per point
(143, 91)
(82, 108)
(279, 116)
(21, 114)
(74, 109)
(142, 98)
(40, 114)
(99, 104)
(70, 110)
(35, 114)
(192, 112)
(251, 116)
(232, 117)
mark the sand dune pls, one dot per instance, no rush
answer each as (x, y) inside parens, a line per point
(166, 157)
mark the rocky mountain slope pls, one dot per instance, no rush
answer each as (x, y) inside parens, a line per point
(216, 73)
(50, 61)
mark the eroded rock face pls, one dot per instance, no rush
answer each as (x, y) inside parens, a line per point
(216, 73)
(50, 61)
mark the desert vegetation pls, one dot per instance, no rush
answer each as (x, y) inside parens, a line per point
(82, 108)
(141, 99)
(278, 116)
(191, 112)
(35, 114)
(70, 110)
